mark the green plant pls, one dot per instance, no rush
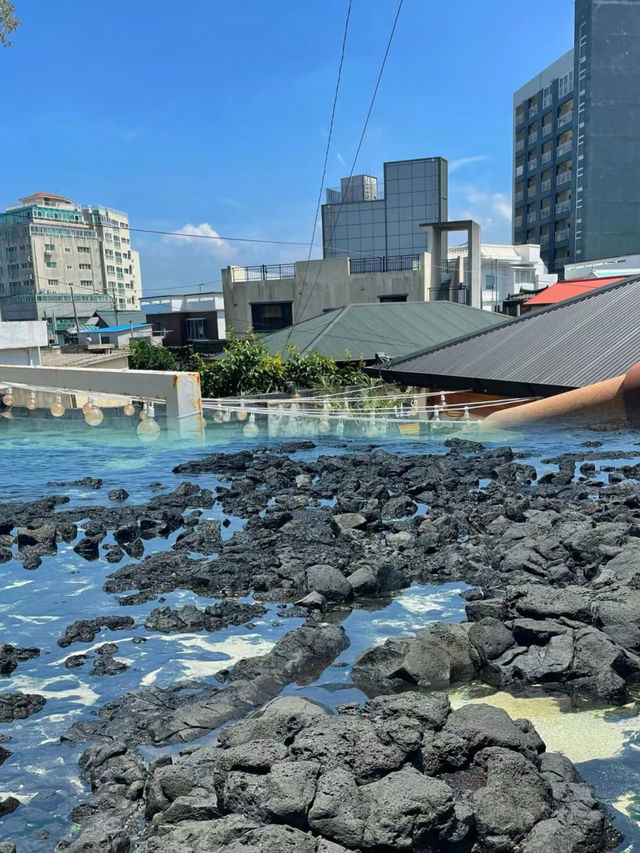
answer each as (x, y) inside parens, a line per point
(146, 356)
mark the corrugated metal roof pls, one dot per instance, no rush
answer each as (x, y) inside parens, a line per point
(568, 289)
(123, 328)
(569, 345)
(52, 358)
(109, 317)
(395, 328)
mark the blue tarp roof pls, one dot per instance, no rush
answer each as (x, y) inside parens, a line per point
(124, 328)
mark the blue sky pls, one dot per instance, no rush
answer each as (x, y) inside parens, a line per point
(213, 116)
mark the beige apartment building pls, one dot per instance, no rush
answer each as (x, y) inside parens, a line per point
(51, 247)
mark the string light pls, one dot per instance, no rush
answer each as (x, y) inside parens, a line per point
(251, 429)
(8, 398)
(129, 409)
(241, 414)
(218, 416)
(93, 415)
(57, 409)
(148, 428)
(31, 403)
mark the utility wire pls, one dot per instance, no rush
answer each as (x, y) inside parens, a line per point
(360, 141)
(329, 137)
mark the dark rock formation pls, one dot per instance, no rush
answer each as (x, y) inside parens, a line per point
(11, 656)
(211, 618)
(86, 630)
(19, 706)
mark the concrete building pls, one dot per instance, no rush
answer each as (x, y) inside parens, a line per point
(20, 342)
(360, 221)
(576, 140)
(51, 246)
(187, 319)
(115, 336)
(505, 270)
(273, 297)
(604, 268)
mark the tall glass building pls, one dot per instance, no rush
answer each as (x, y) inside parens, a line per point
(359, 221)
(577, 142)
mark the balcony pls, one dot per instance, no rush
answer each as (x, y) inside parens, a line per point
(562, 235)
(518, 222)
(533, 110)
(565, 118)
(519, 197)
(533, 138)
(545, 213)
(547, 101)
(546, 157)
(531, 190)
(544, 241)
(564, 178)
(519, 146)
(547, 129)
(531, 218)
(545, 186)
(533, 164)
(519, 118)
(519, 171)
(565, 148)
(563, 207)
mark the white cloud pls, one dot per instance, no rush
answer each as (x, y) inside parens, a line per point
(454, 165)
(203, 238)
(341, 160)
(491, 209)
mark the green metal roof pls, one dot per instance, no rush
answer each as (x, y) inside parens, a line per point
(394, 328)
(109, 318)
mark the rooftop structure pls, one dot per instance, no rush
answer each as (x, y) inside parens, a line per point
(569, 345)
(188, 319)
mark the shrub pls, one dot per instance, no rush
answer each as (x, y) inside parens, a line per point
(146, 356)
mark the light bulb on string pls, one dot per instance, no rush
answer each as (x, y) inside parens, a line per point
(31, 403)
(251, 428)
(93, 416)
(143, 412)
(226, 416)
(414, 410)
(129, 409)
(148, 428)
(9, 399)
(241, 414)
(57, 408)
(218, 416)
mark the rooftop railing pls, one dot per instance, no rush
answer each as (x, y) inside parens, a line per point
(394, 263)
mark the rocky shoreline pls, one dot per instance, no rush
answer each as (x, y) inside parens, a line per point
(555, 569)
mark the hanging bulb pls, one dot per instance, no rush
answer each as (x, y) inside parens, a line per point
(9, 399)
(31, 402)
(93, 416)
(241, 414)
(226, 417)
(251, 429)
(218, 416)
(466, 413)
(340, 427)
(324, 424)
(443, 399)
(143, 412)
(129, 409)
(57, 409)
(148, 429)
(414, 410)
(87, 406)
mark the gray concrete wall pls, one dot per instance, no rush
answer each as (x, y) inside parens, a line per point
(320, 285)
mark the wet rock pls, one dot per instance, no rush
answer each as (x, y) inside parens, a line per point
(211, 618)
(88, 482)
(114, 553)
(7, 847)
(86, 630)
(19, 706)
(118, 495)
(105, 663)
(328, 582)
(347, 522)
(11, 656)
(205, 539)
(8, 805)
(44, 537)
(88, 547)
(127, 533)
(30, 556)
(75, 661)
(4, 754)
(134, 549)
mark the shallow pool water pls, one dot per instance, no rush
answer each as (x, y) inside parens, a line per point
(36, 606)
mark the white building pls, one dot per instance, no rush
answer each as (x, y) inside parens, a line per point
(506, 270)
(52, 247)
(603, 268)
(187, 319)
(20, 342)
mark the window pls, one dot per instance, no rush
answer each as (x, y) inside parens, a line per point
(267, 316)
(196, 328)
(565, 84)
(108, 253)
(67, 249)
(10, 252)
(49, 247)
(25, 265)
(160, 327)
(84, 249)
(400, 297)
(50, 264)
(524, 277)
(52, 282)
(85, 266)
(490, 281)
(111, 270)
(88, 283)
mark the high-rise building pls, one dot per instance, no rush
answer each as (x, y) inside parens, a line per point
(359, 222)
(51, 247)
(577, 142)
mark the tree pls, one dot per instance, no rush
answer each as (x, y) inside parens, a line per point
(8, 21)
(146, 356)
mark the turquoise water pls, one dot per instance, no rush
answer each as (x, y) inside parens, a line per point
(36, 606)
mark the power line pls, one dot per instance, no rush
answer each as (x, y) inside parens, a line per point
(329, 137)
(360, 141)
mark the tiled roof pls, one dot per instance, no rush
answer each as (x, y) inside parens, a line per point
(53, 358)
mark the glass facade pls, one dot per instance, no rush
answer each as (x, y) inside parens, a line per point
(415, 192)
